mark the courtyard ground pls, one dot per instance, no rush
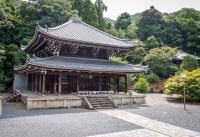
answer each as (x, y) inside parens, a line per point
(160, 116)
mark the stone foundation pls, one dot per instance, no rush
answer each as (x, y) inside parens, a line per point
(73, 101)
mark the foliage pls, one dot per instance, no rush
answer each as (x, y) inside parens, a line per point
(151, 43)
(160, 63)
(123, 21)
(87, 10)
(142, 86)
(118, 59)
(175, 85)
(100, 6)
(136, 56)
(189, 63)
(152, 78)
(121, 34)
(2, 58)
(150, 23)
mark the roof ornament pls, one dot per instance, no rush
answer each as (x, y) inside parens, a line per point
(37, 24)
(75, 16)
(46, 27)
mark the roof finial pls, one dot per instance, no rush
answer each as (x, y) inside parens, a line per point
(75, 16)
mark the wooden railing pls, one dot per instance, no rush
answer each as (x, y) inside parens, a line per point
(93, 93)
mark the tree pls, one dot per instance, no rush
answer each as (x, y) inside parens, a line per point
(189, 27)
(123, 21)
(2, 58)
(112, 31)
(87, 11)
(175, 85)
(142, 86)
(189, 63)
(136, 56)
(160, 63)
(121, 34)
(14, 56)
(100, 6)
(151, 43)
(150, 23)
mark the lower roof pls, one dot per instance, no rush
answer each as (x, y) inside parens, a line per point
(81, 64)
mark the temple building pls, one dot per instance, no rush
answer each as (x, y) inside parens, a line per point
(178, 58)
(74, 57)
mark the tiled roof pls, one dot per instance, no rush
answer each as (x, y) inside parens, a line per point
(181, 54)
(82, 32)
(85, 64)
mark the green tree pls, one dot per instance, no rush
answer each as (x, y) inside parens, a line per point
(149, 24)
(189, 63)
(14, 56)
(100, 6)
(121, 34)
(87, 11)
(142, 86)
(123, 21)
(136, 56)
(151, 43)
(112, 31)
(188, 19)
(175, 85)
(160, 63)
(2, 58)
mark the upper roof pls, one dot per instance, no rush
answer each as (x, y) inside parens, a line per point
(181, 54)
(81, 32)
(82, 64)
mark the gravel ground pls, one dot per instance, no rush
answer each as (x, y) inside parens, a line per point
(77, 122)
(161, 108)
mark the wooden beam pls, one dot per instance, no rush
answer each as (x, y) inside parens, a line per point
(36, 83)
(115, 84)
(54, 85)
(100, 84)
(43, 84)
(78, 83)
(125, 84)
(118, 84)
(60, 83)
(40, 83)
(32, 82)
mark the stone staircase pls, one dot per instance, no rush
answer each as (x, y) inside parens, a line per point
(99, 102)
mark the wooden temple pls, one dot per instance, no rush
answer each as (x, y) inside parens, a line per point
(74, 57)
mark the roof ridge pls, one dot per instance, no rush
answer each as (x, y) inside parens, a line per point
(124, 40)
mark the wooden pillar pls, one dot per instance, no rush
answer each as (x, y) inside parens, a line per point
(36, 82)
(32, 83)
(54, 85)
(78, 83)
(43, 84)
(40, 83)
(100, 84)
(60, 83)
(125, 84)
(108, 83)
(115, 84)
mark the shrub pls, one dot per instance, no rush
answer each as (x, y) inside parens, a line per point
(175, 85)
(142, 86)
(152, 78)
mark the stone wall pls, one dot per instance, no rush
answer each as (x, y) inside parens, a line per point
(20, 81)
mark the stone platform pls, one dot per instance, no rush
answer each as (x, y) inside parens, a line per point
(33, 100)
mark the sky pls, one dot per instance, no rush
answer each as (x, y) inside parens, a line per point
(116, 7)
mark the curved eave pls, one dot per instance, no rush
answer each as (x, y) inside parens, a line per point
(135, 44)
(28, 67)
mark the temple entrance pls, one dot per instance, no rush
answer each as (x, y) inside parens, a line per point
(86, 82)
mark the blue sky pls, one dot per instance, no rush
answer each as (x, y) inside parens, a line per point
(116, 7)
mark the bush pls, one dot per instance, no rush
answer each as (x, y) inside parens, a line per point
(175, 85)
(152, 78)
(142, 86)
